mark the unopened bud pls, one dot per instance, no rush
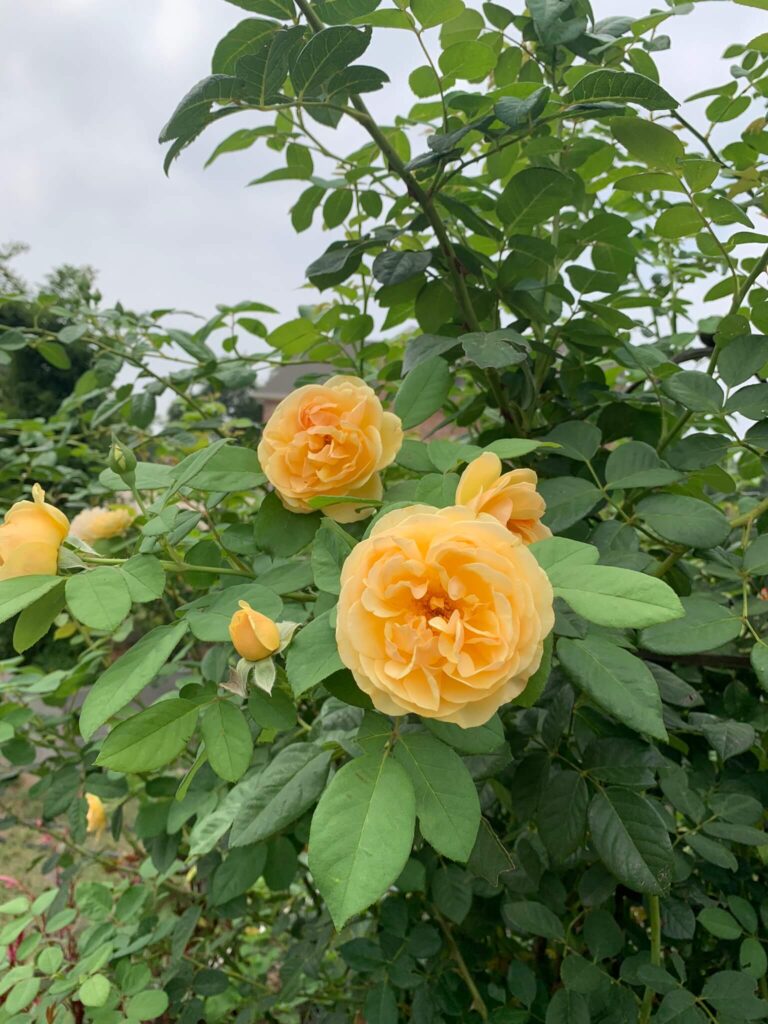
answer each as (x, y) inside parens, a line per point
(122, 461)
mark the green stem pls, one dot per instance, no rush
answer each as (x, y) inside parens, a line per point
(655, 925)
(747, 517)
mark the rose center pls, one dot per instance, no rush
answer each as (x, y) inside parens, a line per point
(434, 605)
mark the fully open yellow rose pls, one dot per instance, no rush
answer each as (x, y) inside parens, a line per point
(442, 612)
(30, 537)
(511, 497)
(330, 438)
(254, 635)
(101, 523)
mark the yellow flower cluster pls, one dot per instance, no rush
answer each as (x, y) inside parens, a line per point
(442, 612)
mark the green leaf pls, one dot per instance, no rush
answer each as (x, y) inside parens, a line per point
(492, 350)
(520, 113)
(271, 8)
(434, 12)
(272, 710)
(650, 181)
(648, 141)
(612, 596)
(631, 840)
(151, 739)
(361, 834)
(150, 476)
(423, 392)
(720, 923)
(684, 520)
(222, 467)
(742, 357)
(617, 681)
(758, 657)
(751, 401)
(94, 991)
(144, 577)
(562, 814)
(246, 37)
(481, 739)
(99, 598)
(194, 110)
(394, 266)
(568, 500)
(578, 441)
(567, 1007)
(694, 390)
(447, 804)
(17, 594)
(532, 918)
(149, 1005)
(707, 625)
(228, 740)
(282, 533)
(327, 52)
(338, 12)
(621, 85)
(55, 354)
(732, 994)
(265, 72)
(331, 547)
(36, 619)
(752, 958)
(381, 1005)
(636, 464)
(238, 872)
(471, 60)
(281, 793)
(678, 222)
(532, 197)
(312, 655)
(128, 676)
(557, 552)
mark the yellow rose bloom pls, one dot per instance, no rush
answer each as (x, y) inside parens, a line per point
(330, 438)
(511, 497)
(254, 635)
(96, 817)
(442, 613)
(101, 523)
(30, 538)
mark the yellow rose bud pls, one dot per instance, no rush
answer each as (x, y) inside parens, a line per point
(101, 523)
(30, 538)
(511, 497)
(96, 816)
(442, 613)
(254, 635)
(327, 439)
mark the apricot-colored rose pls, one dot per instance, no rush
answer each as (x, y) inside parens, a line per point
(96, 816)
(330, 438)
(511, 497)
(254, 635)
(442, 612)
(101, 523)
(30, 538)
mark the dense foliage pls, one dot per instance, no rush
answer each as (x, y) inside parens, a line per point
(548, 259)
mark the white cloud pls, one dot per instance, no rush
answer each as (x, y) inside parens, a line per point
(92, 83)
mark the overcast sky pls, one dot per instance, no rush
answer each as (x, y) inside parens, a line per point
(86, 86)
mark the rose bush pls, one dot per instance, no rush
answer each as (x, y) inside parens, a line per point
(439, 696)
